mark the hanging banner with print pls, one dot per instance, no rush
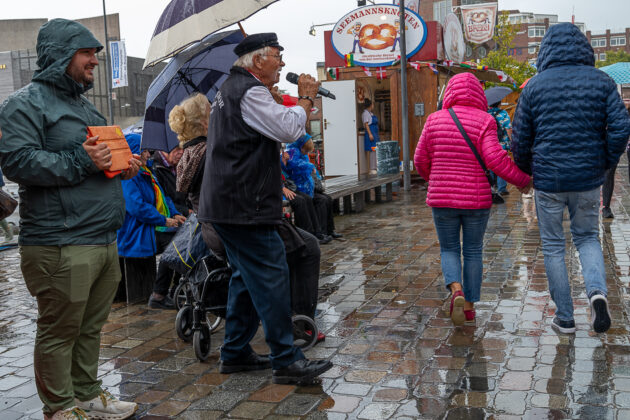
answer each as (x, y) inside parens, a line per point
(479, 20)
(119, 63)
(371, 35)
(413, 5)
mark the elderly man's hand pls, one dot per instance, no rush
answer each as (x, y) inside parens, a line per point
(307, 86)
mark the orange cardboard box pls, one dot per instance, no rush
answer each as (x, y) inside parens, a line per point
(113, 136)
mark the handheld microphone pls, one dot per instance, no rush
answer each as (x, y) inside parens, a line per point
(293, 78)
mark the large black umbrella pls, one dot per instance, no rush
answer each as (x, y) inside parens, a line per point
(201, 68)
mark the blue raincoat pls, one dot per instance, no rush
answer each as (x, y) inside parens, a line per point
(299, 168)
(136, 237)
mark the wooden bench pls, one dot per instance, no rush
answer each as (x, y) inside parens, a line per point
(353, 188)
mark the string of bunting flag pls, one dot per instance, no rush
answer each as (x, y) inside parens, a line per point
(381, 72)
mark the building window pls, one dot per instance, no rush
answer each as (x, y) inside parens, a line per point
(532, 47)
(598, 42)
(441, 9)
(536, 31)
(617, 41)
(602, 57)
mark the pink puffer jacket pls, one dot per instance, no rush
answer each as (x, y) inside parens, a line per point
(444, 159)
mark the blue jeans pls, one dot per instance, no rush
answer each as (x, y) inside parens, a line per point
(584, 212)
(501, 184)
(448, 224)
(259, 290)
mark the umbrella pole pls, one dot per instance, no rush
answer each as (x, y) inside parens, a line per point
(241, 28)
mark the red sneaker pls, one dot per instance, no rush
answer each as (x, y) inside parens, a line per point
(457, 308)
(469, 314)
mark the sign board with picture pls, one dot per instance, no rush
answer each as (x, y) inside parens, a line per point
(454, 44)
(479, 20)
(371, 34)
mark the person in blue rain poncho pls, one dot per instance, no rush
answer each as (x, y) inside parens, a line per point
(301, 171)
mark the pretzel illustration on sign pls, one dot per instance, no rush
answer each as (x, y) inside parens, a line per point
(379, 37)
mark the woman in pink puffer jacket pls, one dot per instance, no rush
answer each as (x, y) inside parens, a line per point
(459, 192)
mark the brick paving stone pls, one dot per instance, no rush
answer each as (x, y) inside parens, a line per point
(365, 376)
(151, 397)
(340, 403)
(252, 410)
(272, 393)
(298, 405)
(169, 408)
(390, 394)
(378, 411)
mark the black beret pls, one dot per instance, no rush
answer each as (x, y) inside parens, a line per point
(257, 41)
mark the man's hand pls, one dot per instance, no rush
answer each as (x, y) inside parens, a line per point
(171, 222)
(99, 153)
(134, 167)
(180, 219)
(290, 195)
(307, 86)
(277, 96)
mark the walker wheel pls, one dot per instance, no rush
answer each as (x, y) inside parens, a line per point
(201, 343)
(184, 323)
(304, 332)
(180, 295)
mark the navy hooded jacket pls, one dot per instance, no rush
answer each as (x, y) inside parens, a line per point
(570, 124)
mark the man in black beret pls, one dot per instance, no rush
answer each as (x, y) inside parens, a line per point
(242, 198)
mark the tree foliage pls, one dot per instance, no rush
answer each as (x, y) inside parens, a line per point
(500, 57)
(613, 57)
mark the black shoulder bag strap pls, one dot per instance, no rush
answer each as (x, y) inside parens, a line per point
(487, 172)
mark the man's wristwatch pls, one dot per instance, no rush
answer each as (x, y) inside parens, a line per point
(308, 98)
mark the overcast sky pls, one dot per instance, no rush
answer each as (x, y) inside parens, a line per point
(291, 19)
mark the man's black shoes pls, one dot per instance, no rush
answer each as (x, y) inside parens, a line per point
(252, 362)
(335, 235)
(301, 372)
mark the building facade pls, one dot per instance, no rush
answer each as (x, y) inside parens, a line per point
(18, 62)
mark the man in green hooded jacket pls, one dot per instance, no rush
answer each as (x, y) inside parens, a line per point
(69, 214)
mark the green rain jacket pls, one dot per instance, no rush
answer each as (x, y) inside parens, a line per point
(64, 198)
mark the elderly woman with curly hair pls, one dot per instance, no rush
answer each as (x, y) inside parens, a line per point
(189, 120)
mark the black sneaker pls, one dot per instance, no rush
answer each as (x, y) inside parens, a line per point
(607, 213)
(335, 235)
(565, 327)
(600, 315)
(165, 303)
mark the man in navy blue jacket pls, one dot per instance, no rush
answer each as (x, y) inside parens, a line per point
(569, 128)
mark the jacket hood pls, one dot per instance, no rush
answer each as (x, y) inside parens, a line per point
(465, 89)
(57, 41)
(299, 142)
(564, 44)
(133, 140)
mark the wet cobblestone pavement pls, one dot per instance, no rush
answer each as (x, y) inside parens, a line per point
(395, 351)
